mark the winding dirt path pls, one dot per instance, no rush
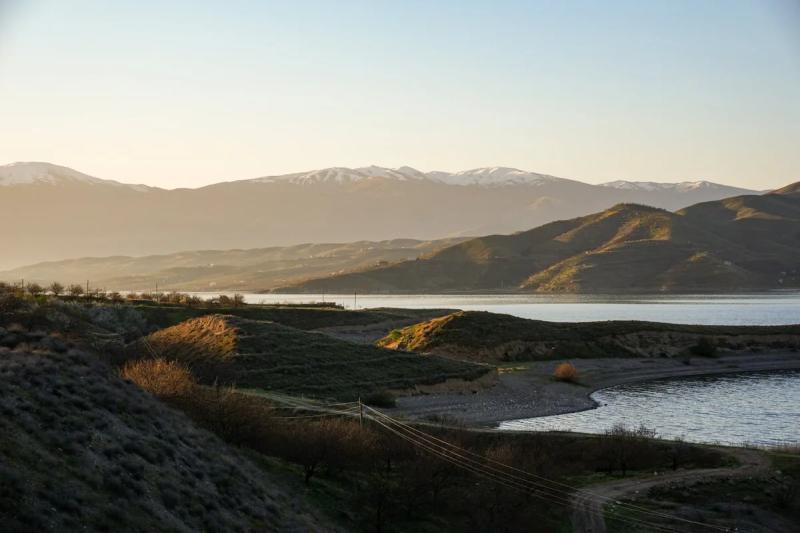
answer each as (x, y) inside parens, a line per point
(587, 507)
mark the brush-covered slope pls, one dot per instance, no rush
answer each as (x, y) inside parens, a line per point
(739, 243)
(82, 450)
(264, 355)
(482, 336)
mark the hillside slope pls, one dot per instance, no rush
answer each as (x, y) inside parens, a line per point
(265, 355)
(252, 269)
(83, 450)
(482, 336)
(739, 243)
(327, 205)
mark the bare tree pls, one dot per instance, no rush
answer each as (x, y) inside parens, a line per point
(34, 289)
(75, 290)
(56, 288)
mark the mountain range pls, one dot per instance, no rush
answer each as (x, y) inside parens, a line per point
(49, 212)
(746, 242)
(211, 270)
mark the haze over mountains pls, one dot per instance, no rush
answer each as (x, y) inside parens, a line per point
(749, 242)
(49, 212)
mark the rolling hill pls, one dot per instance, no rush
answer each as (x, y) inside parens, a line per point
(264, 355)
(49, 212)
(491, 337)
(748, 242)
(254, 269)
(82, 449)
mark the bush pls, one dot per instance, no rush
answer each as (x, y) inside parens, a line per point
(566, 372)
(705, 347)
(165, 379)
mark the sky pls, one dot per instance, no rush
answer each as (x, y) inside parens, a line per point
(186, 93)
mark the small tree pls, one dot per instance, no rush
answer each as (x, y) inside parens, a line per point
(75, 290)
(238, 300)
(56, 289)
(34, 289)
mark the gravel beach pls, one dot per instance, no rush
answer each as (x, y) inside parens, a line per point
(527, 390)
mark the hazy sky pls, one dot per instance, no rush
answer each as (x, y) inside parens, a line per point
(187, 93)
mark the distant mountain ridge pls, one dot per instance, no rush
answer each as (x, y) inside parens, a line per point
(211, 270)
(39, 173)
(49, 212)
(748, 242)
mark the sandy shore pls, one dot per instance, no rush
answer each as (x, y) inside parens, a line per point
(527, 390)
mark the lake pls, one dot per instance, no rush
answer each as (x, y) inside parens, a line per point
(756, 408)
(761, 309)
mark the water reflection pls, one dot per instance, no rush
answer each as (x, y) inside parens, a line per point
(762, 408)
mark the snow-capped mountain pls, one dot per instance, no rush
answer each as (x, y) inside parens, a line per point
(66, 213)
(345, 175)
(489, 176)
(38, 173)
(494, 176)
(683, 186)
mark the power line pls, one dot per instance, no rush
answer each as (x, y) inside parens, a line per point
(446, 447)
(505, 481)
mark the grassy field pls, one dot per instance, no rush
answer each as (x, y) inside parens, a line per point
(265, 355)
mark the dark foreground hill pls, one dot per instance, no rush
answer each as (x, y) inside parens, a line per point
(742, 243)
(82, 449)
(265, 355)
(482, 336)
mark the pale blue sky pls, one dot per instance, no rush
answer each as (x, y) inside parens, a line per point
(187, 93)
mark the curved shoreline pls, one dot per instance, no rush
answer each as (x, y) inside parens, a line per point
(528, 391)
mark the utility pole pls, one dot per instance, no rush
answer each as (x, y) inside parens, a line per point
(87, 288)
(360, 412)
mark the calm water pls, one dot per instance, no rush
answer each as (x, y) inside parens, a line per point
(773, 308)
(761, 408)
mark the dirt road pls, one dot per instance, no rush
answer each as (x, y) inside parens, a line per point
(588, 505)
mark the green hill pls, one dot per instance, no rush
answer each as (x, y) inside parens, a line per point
(490, 337)
(264, 355)
(742, 243)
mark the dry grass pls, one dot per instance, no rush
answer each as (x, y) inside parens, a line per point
(164, 379)
(566, 372)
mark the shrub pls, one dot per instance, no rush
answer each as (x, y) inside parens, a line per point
(165, 379)
(705, 347)
(566, 372)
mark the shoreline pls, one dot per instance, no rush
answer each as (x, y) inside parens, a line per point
(527, 390)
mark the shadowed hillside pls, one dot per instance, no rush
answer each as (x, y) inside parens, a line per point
(82, 449)
(253, 269)
(740, 243)
(482, 336)
(264, 355)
